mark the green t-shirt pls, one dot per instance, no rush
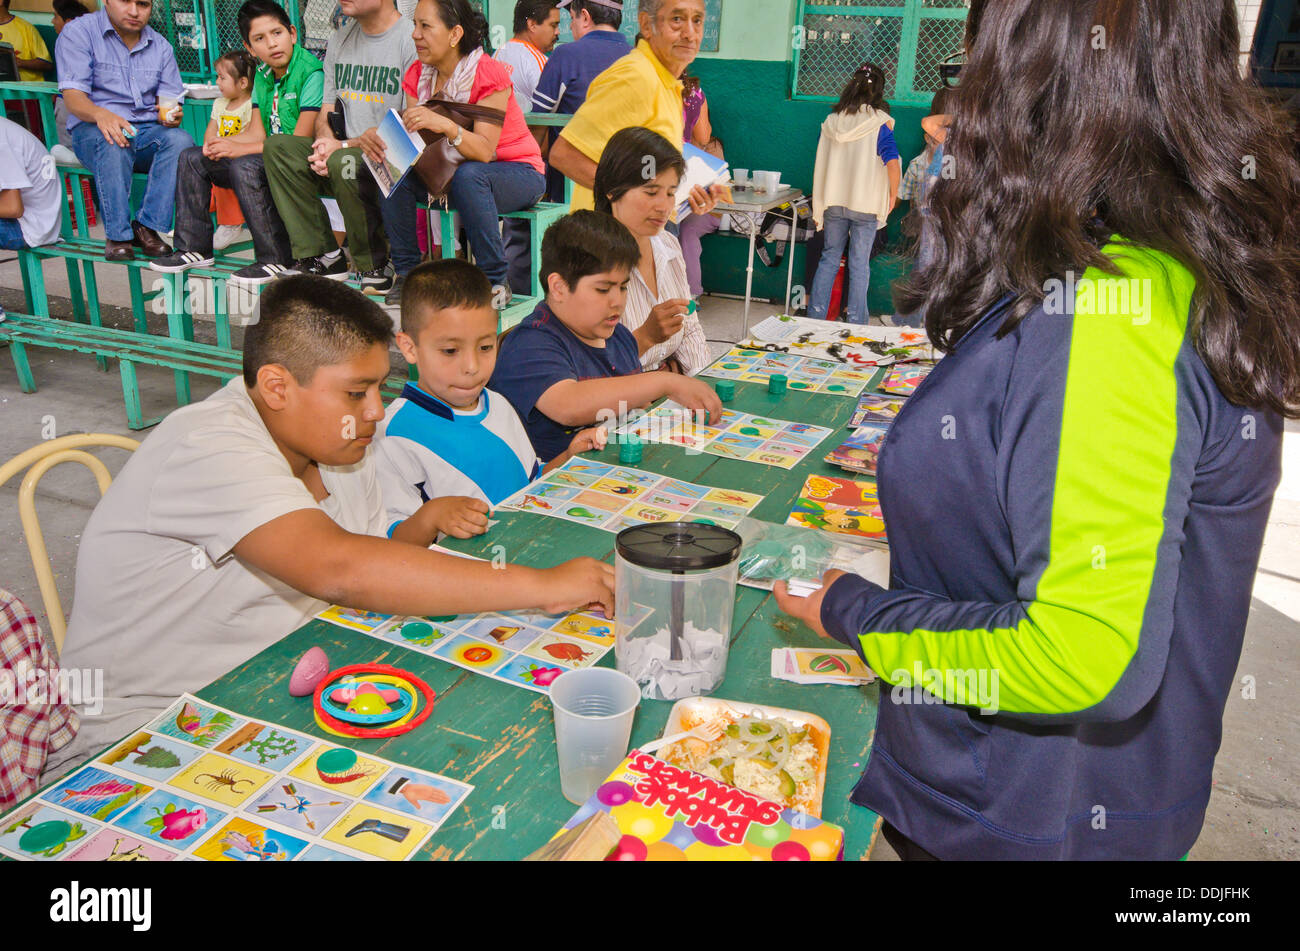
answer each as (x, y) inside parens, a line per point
(279, 102)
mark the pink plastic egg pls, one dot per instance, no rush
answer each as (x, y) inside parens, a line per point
(308, 672)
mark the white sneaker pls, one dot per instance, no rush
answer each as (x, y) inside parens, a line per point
(226, 235)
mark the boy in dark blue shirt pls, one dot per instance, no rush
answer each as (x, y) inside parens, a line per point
(571, 363)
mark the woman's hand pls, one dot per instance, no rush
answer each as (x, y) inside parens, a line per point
(809, 609)
(702, 202)
(665, 320)
(422, 117)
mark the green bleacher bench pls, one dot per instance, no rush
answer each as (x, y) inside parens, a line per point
(129, 348)
(541, 216)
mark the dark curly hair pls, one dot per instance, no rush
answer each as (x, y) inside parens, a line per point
(1059, 140)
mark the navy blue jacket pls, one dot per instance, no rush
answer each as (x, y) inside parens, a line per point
(1075, 515)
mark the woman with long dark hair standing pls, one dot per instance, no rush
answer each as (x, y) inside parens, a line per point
(1077, 496)
(855, 187)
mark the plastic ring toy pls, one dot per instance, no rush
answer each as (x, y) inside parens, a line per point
(399, 713)
(375, 673)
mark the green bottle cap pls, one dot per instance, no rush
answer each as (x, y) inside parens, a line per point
(726, 390)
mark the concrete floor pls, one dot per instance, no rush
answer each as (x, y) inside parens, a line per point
(1253, 810)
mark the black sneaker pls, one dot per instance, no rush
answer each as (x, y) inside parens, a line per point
(259, 273)
(180, 261)
(335, 270)
(378, 282)
(394, 297)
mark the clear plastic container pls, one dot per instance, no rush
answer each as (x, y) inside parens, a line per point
(675, 589)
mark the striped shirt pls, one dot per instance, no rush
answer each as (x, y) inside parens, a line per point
(688, 345)
(525, 62)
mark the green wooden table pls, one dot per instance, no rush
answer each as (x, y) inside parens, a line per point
(501, 738)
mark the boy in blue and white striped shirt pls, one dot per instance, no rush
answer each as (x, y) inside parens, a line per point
(450, 448)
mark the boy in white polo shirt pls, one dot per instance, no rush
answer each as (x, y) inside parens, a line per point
(243, 515)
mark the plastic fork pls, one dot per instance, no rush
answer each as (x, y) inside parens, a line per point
(708, 732)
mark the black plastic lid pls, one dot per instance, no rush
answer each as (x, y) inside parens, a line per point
(678, 546)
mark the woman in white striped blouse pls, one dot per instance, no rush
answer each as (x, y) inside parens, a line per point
(636, 182)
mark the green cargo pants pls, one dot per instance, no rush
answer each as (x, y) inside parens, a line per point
(297, 191)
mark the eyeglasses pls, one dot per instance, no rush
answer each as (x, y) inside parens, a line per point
(950, 69)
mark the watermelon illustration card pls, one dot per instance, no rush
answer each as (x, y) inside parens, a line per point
(820, 666)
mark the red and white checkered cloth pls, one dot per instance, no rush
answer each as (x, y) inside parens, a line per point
(30, 731)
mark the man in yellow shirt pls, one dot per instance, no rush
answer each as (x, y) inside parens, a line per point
(642, 89)
(30, 53)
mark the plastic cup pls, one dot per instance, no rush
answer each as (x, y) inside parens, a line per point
(165, 108)
(594, 708)
(740, 176)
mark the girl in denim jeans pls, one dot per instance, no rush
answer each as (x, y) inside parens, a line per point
(855, 187)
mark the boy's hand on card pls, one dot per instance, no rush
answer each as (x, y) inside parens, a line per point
(589, 440)
(695, 395)
(809, 609)
(459, 516)
(583, 584)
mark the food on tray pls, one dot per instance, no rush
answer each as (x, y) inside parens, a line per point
(767, 756)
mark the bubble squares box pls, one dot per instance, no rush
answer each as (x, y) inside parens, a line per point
(666, 813)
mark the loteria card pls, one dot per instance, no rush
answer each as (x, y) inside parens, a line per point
(773, 442)
(611, 498)
(876, 408)
(820, 666)
(903, 380)
(251, 791)
(861, 450)
(842, 506)
(802, 372)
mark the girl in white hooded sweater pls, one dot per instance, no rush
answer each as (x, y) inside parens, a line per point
(855, 187)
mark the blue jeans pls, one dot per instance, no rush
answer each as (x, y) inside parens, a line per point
(155, 149)
(398, 212)
(857, 231)
(11, 235)
(481, 191)
(246, 177)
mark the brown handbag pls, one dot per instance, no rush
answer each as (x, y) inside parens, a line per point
(437, 164)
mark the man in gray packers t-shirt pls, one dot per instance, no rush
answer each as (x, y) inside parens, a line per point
(364, 64)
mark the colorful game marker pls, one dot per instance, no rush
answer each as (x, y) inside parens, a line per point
(726, 390)
(777, 383)
(629, 450)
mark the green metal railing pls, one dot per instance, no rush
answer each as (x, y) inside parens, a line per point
(906, 38)
(201, 30)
